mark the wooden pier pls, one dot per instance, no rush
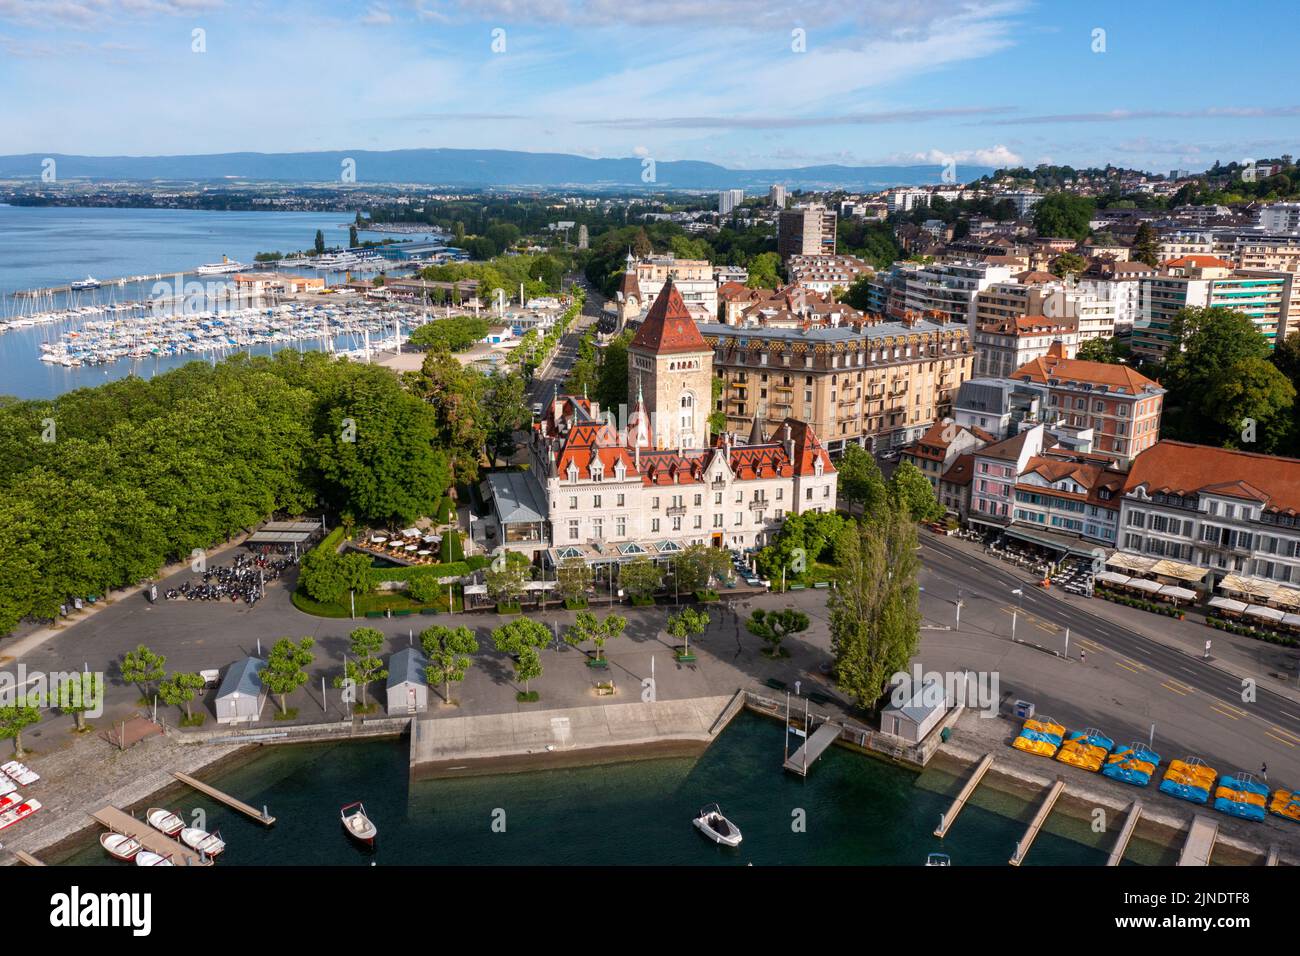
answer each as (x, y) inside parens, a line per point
(946, 820)
(261, 816)
(813, 747)
(1200, 842)
(1125, 834)
(1022, 848)
(27, 858)
(1274, 855)
(120, 821)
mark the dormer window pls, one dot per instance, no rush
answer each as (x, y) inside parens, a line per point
(573, 471)
(620, 470)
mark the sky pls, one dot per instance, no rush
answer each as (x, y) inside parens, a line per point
(743, 83)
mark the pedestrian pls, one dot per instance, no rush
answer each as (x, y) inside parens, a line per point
(1083, 656)
(1263, 770)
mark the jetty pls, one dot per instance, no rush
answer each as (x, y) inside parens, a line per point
(1200, 842)
(1036, 825)
(1274, 855)
(261, 816)
(946, 820)
(1125, 834)
(812, 748)
(119, 821)
(27, 858)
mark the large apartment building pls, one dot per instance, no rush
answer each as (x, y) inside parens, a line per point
(941, 290)
(806, 231)
(1004, 345)
(823, 274)
(1209, 282)
(877, 384)
(1231, 512)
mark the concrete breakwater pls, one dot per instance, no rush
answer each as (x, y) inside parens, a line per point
(493, 743)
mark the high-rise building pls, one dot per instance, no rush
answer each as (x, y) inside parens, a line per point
(776, 196)
(806, 231)
(729, 199)
(582, 237)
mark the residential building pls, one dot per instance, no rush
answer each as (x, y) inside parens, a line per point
(879, 384)
(806, 231)
(954, 486)
(942, 444)
(825, 273)
(1280, 217)
(1004, 345)
(1228, 511)
(776, 196)
(729, 199)
(996, 469)
(943, 290)
(1068, 493)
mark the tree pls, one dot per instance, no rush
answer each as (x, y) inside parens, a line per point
(424, 588)
(860, 479)
(874, 615)
(453, 334)
(320, 242)
(1286, 356)
(685, 623)
(363, 666)
(912, 490)
(528, 667)
(17, 717)
(763, 271)
(178, 691)
(505, 409)
(1251, 401)
(1111, 351)
(142, 667)
(775, 626)
(802, 540)
(641, 577)
(1063, 215)
(1207, 344)
(77, 694)
(587, 628)
(352, 237)
(448, 650)
(1146, 245)
(513, 636)
(573, 579)
(1068, 263)
(453, 392)
(696, 565)
(286, 668)
(858, 293)
(505, 580)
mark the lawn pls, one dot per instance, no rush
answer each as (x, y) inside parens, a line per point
(374, 601)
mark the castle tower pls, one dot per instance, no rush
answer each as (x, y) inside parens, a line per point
(670, 368)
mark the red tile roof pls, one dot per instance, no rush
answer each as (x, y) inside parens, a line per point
(668, 327)
(961, 471)
(1199, 262)
(1054, 365)
(1181, 468)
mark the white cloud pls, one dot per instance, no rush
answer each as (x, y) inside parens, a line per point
(377, 15)
(992, 156)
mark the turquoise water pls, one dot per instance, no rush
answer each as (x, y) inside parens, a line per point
(43, 247)
(857, 811)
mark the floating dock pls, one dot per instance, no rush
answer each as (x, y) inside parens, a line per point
(27, 858)
(1022, 848)
(1125, 834)
(813, 747)
(1200, 842)
(946, 820)
(261, 816)
(119, 821)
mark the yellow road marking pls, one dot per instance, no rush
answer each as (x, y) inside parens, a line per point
(1286, 733)
(1281, 740)
(1176, 689)
(1043, 626)
(1091, 645)
(1225, 713)
(1236, 710)
(1126, 667)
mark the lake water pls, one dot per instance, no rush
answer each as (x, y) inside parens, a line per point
(44, 247)
(858, 811)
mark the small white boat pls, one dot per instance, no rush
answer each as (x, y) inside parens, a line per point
(165, 821)
(357, 824)
(20, 773)
(150, 858)
(119, 845)
(20, 812)
(938, 859)
(7, 786)
(716, 827)
(209, 844)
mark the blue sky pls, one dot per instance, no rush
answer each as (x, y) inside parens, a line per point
(877, 81)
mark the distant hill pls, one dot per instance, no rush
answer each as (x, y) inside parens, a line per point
(469, 167)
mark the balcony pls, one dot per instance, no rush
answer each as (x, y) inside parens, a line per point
(718, 483)
(675, 511)
(759, 505)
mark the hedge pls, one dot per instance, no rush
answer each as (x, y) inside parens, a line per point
(1154, 607)
(455, 569)
(1247, 630)
(452, 551)
(332, 540)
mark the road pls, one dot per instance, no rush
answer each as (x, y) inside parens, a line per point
(556, 370)
(1171, 670)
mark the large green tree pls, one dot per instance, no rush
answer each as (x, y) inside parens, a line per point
(449, 651)
(913, 491)
(286, 668)
(860, 480)
(363, 665)
(1063, 216)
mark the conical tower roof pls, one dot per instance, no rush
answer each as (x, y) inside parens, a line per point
(668, 327)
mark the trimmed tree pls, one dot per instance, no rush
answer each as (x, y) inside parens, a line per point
(142, 667)
(76, 695)
(573, 578)
(286, 668)
(775, 626)
(528, 668)
(686, 622)
(505, 583)
(515, 636)
(641, 578)
(363, 666)
(587, 628)
(448, 650)
(17, 717)
(178, 691)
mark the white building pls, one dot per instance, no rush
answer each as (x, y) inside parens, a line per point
(729, 199)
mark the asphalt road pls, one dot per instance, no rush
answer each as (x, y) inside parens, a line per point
(1184, 672)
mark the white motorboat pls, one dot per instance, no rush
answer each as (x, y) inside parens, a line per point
(120, 846)
(716, 827)
(220, 268)
(150, 858)
(357, 824)
(90, 282)
(209, 844)
(165, 821)
(938, 859)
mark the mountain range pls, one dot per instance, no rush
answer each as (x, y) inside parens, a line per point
(467, 168)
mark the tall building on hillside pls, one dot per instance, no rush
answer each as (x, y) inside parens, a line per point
(729, 199)
(776, 196)
(806, 231)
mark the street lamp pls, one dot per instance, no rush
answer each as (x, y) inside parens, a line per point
(1020, 594)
